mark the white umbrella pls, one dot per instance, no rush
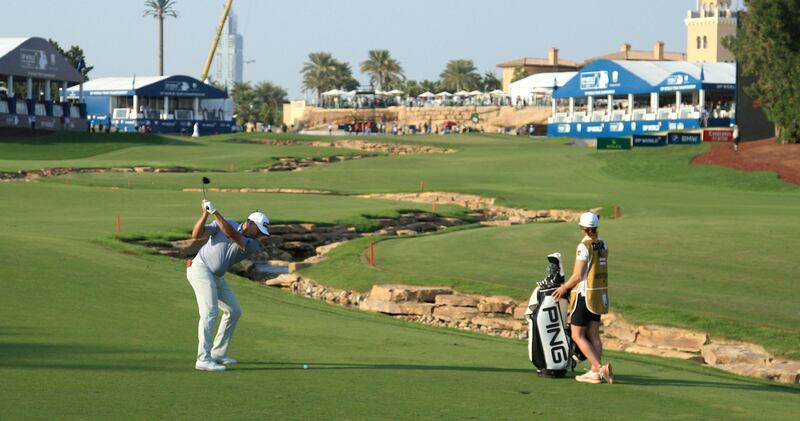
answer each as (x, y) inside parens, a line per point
(426, 94)
(444, 94)
(333, 92)
(351, 93)
(476, 93)
(497, 92)
(462, 93)
(395, 92)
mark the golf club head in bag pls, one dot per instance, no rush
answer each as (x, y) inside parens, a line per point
(205, 180)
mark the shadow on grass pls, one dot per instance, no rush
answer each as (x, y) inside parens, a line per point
(344, 366)
(83, 357)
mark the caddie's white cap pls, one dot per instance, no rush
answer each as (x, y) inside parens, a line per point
(589, 220)
(261, 221)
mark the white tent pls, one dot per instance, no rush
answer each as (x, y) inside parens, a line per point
(444, 94)
(462, 93)
(426, 94)
(333, 92)
(538, 85)
(476, 93)
(394, 92)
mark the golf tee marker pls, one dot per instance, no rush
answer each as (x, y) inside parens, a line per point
(118, 224)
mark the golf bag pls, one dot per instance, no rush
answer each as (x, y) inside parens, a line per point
(550, 347)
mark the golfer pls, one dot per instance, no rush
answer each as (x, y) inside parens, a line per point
(229, 243)
(588, 298)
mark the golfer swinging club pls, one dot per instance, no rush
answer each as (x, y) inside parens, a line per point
(590, 299)
(228, 243)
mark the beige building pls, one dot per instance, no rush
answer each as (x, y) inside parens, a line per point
(706, 27)
(536, 65)
(625, 53)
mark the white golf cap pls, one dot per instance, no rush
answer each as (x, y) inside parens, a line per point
(589, 220)
(261, 221)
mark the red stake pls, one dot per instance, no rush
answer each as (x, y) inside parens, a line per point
(372, 253)
(421, 185)
(118, 224)
(129, 182)
(616, 212)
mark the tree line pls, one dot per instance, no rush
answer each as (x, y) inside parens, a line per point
(322, 72)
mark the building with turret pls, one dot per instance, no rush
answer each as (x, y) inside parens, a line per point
(706, 26)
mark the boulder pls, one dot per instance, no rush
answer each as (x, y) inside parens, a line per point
(405, 232)
(644, 350)
(454, 314)
(502, 323)
(295, 266)
(671, 338)
(457, 300)
(622, 330)
(283, 281)
(518, 312)
(735, 353)
(495, 304)
(400, 293)
(749, 370)
(387, 307)
(614, 344)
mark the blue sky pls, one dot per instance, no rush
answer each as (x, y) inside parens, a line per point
(422, 34)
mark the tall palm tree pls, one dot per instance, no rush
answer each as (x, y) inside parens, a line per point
(160, 9)
(323, 72)
(460, 75)
(382, 69)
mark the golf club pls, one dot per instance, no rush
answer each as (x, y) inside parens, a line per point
(205, 181)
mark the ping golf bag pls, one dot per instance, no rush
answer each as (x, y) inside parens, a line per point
(550, 347)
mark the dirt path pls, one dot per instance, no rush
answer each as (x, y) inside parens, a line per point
(762, 155)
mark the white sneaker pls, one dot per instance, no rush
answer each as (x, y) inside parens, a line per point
(208, 366)
(589, 377)
(225, 360)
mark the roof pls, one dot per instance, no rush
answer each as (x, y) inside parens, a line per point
(174, 86)
(531, 61)
(638, 55)
(616, 77)
(542, 80)
(35, 58)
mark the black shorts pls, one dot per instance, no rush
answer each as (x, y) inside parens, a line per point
(581, 316)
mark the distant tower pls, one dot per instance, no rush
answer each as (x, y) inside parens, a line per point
(228, 58)
(705, 28)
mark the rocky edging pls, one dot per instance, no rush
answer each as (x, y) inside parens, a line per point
(359, 145)
(54, 172)
(503, 316)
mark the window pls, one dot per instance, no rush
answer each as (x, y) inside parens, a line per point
(698, 43)
(705, 42)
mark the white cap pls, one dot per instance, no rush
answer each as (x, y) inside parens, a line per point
(589, 220)
(261, 221)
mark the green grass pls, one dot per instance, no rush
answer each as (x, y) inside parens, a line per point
(97, 328)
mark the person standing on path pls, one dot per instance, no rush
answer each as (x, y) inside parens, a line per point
(588, 298)
(229, 243)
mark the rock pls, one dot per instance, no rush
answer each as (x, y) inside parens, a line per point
(644, 350)
(609, 318)
(790, 378)
(405, 232)
(735, 353)
(671, 338)
(283, 281)
(495, 304)
(518, 312)
(190, 247)
(744, 369)
(622, 330)
(793, 366)
(328, 247)
(502, 323)
(614, 344)
(295, 266)
(454, 314)
(400, 293)
(457, 300)
(387, 307)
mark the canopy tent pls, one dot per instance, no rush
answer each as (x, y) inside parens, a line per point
(334, 92)
(476, 93)
(444, 94)
(395, 92)
(497, 92)
(36, 58)
(426, 94)
(150, 86)
(461, 93)
(617, 77)
(539, 83)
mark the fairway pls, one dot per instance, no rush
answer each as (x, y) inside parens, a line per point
(96, 328)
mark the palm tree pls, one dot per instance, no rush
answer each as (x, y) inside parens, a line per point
(383, 70)
(160, 9)
(460, 75)
(323, 72)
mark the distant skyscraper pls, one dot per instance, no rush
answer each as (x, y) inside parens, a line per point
(228, 59)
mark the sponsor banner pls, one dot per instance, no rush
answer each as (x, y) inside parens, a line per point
(717, 136)
(619, 128)
(613, 143)
(173, 126)
(684, 138)
(640, 140)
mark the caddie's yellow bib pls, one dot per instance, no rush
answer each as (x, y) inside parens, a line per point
(596, 279)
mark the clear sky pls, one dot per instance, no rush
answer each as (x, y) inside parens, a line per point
(422, 34)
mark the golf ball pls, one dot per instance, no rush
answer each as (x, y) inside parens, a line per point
(305, 366)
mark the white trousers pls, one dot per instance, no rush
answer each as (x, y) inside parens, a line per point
(213, 293)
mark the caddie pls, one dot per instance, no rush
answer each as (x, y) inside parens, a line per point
(228, 243)
(588, 298)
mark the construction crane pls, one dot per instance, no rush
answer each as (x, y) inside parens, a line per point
(214, 43)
